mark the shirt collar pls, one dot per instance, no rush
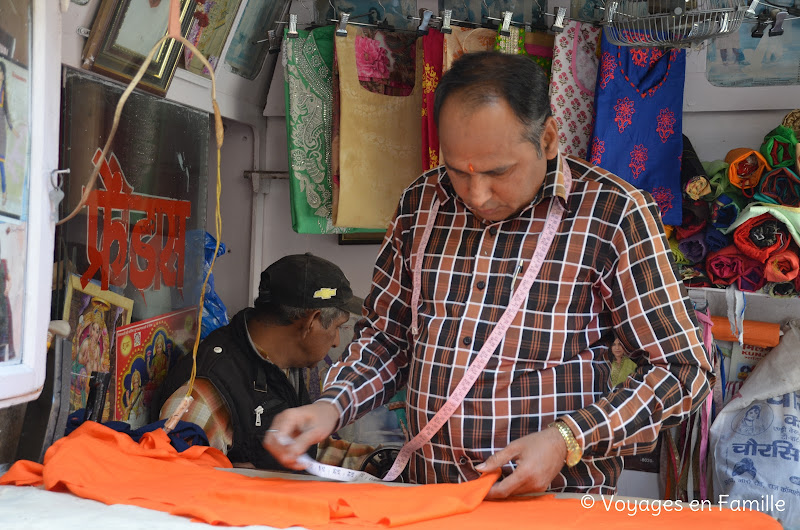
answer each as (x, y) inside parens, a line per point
(553, 184)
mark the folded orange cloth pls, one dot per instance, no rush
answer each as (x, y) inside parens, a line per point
(763, 334)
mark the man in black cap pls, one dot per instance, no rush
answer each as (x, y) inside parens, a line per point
(251, 369)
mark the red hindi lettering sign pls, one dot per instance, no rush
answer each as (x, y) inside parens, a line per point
(151, 252)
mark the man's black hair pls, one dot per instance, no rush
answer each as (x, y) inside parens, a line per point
(483, 77)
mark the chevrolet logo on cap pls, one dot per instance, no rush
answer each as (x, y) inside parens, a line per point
(325, 293)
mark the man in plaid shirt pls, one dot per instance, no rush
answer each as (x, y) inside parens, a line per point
(542, 408)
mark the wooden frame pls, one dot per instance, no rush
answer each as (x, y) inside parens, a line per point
(122, 35)
(361, 238)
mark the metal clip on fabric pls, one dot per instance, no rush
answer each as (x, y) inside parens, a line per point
(761, 24)
(777, 22)
(425, 20)
(341, 31)
(558, 25)
(447, 15)
(506, 24)
(292, 31)
(274, 41)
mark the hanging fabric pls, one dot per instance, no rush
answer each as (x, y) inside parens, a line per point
(539, 47)
(513, 44)
(379, 144)
(638, 127)
(308, 64)
(466, 40)
(433, 58)
(574, 73)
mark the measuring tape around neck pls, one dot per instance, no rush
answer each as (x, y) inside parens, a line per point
(520, 295)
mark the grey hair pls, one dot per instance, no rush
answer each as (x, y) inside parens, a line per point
(284, 315)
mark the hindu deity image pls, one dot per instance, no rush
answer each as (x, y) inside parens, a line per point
(91, 351)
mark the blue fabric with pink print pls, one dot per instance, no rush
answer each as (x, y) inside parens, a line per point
(638, 126)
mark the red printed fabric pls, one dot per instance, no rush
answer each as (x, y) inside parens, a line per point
(761, 237)
(433, 59)
(574, 74)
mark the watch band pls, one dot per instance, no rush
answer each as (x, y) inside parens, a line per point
(574, 452)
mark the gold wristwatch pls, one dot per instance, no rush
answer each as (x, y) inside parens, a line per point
(574, 452)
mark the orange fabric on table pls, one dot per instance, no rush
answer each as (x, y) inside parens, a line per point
(763, 334)
(96, 462)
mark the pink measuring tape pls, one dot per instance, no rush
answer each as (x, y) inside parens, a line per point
(497, 334)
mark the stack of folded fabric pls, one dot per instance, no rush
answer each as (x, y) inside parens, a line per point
(741, 216)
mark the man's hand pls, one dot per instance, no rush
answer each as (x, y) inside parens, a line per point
(539, 457)
(305, 426)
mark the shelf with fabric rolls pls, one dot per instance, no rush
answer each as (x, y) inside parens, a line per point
(741, 218)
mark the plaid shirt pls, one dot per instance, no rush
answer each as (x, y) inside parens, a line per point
(208, 410)
(609, 269)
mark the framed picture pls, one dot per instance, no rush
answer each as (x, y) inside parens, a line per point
(146, 350)
(210, 40)
(124, 32)
(94, 316)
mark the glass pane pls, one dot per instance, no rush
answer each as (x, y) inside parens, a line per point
(15, 31)
(741, 60)
(135, 251)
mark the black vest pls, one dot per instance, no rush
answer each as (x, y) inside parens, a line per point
(246, 382)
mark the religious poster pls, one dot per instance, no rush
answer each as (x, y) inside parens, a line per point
(145, 352)
(94, 315)
(141, 229)
(13, 243)
(14, 94)
(15, 89)
(209, 31)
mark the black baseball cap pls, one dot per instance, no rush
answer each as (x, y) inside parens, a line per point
(308, 282)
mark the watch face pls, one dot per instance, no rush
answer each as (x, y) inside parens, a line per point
(573, 458)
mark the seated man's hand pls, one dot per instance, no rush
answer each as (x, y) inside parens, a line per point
(538, 458)
(304, 426)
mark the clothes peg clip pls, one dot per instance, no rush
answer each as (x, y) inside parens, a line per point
(777, 23)
(425, 19)
(341, 31)
(506, 24)
(611, 11)
(447, 15)
(292, 31)
(751, 11)
(274, 41)
(761, 24)
(558, 25)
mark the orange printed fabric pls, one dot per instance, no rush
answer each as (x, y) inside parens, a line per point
(98, 463)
